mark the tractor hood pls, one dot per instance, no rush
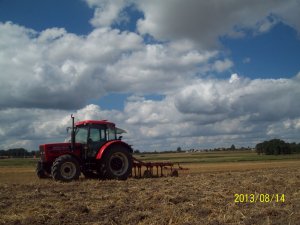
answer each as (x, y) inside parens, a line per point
(59, 146)
(51, 151)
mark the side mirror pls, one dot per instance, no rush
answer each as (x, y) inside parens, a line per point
(120, 137)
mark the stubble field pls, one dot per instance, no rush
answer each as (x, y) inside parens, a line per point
(203, 195)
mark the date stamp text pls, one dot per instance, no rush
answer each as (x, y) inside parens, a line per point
(257, 197)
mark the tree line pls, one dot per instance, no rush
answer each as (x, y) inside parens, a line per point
(277, 147)
(271, 147)
(17, 153)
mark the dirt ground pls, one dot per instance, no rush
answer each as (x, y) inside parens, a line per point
(201, 197)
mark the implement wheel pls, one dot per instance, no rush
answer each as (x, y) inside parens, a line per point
(65, 168)
(116, 163)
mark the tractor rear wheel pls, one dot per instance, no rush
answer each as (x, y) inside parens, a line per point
(116, 163)
(65, 168)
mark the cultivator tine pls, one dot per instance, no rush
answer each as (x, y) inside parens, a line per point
(148, 168)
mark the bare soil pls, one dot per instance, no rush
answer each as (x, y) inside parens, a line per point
(201, 197)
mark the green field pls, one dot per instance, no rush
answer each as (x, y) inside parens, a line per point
(197, 157)
(18, 162)
(214, 157)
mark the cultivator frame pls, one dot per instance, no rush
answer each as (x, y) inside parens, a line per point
(148, 169)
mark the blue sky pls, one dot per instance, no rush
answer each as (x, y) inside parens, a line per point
(40, 15)
(162, 70)
(271, 55)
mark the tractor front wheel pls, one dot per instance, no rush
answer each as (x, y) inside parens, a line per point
(65, 168)
(40, 172)
(116, 163)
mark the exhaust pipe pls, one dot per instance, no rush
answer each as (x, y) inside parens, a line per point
(72, 134)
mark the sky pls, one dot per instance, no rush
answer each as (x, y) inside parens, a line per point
(189, 74)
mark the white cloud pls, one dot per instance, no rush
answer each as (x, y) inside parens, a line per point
(155, 69)
(52, 34)
(221, 66)
(203, 22)
(267, 24)
(234, 78)
(207, 113)
(289, 13)
(287, 129)
(53, 69)
(106, 12)
(217, 110)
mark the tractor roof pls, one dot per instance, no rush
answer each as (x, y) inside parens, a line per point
(102, 122)
(85, 122)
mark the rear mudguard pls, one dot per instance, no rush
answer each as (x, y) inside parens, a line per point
(109, 144)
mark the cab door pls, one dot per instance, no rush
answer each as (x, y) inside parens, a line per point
(97, 138)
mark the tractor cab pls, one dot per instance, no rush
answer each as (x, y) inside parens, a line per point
(93, 134)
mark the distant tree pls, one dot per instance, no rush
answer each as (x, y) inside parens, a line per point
(179, 149)
(259, 148)
(2, 153)
(232, 148)
(16, 152)
(137, 151)
(273, 147)
(295, 148)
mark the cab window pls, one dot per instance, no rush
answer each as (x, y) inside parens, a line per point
(81, 135)
(94, 134)
(111, 134)
(97, 134)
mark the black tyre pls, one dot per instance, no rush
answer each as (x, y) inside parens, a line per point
(116, 163)
(65, 168)
(40, 172)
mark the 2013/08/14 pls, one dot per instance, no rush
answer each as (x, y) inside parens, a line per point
(263, 198)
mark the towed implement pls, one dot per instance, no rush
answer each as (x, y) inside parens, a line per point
(96, 150)
(143, 169)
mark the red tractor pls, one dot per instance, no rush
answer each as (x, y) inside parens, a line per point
(95, 150)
